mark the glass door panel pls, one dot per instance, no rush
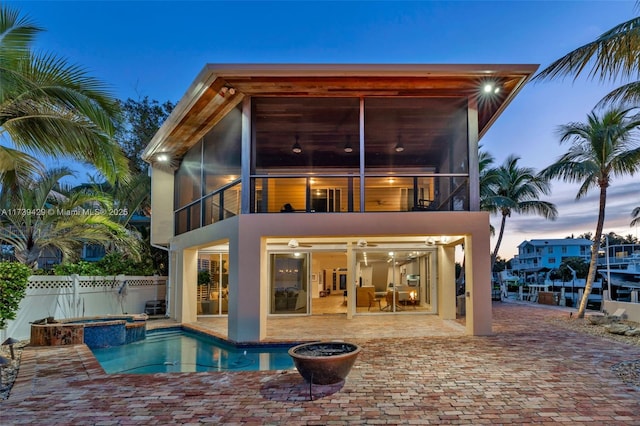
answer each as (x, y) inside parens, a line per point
(289, 283)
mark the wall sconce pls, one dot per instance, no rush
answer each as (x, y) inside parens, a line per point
(347, 147)
(399, 146)
(296, 148)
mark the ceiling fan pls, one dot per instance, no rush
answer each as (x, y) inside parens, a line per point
(365, 244)
(293, 243)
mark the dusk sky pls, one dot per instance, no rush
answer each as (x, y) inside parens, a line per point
(156, 49)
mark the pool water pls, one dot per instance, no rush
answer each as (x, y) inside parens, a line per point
(180, 351)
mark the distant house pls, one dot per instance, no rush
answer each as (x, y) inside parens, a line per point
(296, 186)
(541, 255)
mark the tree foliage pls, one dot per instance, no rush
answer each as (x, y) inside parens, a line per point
(112, 264)
(41, 215)
(50, 107)
(140, 120)
(578, 264)
(14, 277)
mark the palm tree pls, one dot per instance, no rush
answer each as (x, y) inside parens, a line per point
(40, 215)
(49, 107)
(516, 190)
(602, 148)
(612, 56)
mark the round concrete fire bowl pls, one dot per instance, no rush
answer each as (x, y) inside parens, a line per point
(324, 363)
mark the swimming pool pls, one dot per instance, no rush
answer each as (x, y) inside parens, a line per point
(177, 351)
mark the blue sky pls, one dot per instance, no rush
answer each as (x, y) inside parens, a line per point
(156, 49)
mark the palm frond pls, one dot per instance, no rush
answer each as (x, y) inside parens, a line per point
(16, 32)
(612, 56)
(635, 214)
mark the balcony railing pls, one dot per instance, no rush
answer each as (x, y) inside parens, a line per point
(219, 205)
(345, 193)
(331, 194)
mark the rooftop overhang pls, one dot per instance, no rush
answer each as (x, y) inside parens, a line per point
(220, 87)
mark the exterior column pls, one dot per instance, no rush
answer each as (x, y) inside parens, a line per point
(246, 312)
(187, 274)
(478, 287)
(447, 282)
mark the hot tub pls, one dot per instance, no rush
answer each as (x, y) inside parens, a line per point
(95, 332)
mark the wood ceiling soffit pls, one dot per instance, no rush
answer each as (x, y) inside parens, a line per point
(210, 108)
(182, 141)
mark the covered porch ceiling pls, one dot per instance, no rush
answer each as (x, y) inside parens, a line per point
(219, 88)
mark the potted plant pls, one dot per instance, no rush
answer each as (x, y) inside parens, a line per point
(204, 277)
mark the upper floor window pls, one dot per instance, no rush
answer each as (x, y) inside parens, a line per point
(306, 134)
(420, 134)
(188, 179)
(221, 152)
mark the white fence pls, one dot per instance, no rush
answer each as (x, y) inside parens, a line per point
(74, 296)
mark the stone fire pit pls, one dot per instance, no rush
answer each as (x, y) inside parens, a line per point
(324, 363)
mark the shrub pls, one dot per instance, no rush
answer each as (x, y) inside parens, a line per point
(14, 277)
(81, 268)
(111, 264)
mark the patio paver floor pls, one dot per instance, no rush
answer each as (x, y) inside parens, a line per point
(529, 372)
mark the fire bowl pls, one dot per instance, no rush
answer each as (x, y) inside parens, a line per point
(324, 363)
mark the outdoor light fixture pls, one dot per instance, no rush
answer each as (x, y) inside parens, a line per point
(430, 241)
(399, 146)
(293, 243)
(347, 147)
(163, 157)
(227, 89)
(296, 146)
(491, 88)
(362, 243)
(10, 342)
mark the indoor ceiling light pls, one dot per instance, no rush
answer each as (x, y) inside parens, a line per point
(296, 147)
(347, 147)
(399, 146)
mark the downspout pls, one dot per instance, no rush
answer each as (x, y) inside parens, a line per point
(168, 285)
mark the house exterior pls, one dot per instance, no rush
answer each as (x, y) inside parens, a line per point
(539, 255)
(279, 188)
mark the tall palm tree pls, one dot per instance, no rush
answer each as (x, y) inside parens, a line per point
(516, 190)
(49, 107)
(613, 56)
(602, 148)
(40, 215)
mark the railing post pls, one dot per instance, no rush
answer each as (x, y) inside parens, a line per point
(75, 279)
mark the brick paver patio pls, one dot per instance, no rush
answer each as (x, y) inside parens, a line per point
(529, 372)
